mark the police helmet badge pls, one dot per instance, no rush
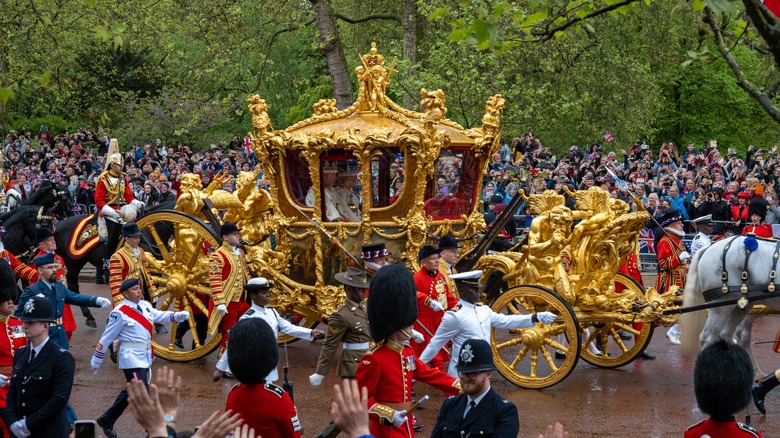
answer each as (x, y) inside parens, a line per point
(466, 354)
(29, 306)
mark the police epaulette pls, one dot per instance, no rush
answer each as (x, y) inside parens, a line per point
(250, 312)
(748, 428)
(457, 307)
(270, 387)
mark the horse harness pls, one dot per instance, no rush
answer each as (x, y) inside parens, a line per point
(744, 288)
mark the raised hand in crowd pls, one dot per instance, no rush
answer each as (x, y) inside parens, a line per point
(554, 432)
(168, 388)
(220, 424)
(349, 408)
(146, 408)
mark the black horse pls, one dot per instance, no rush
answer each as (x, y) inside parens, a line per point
(50, 201)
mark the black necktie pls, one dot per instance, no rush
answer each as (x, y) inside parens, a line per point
(471, 406)
(32, 356)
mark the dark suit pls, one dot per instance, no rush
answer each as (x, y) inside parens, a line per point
(40, 390)
(492, 417)
(59, 296)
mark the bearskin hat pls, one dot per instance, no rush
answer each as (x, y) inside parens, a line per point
(758, 206)
(252, 351)
(8, 290)
(722, 379)
(392, 301)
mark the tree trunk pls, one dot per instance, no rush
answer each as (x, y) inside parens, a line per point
(333, 52)
(409, 18)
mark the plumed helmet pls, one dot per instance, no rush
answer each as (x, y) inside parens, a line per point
(758, 206)
(392, 301)
(722, 379)
(8, 290)
(252, 351)
(114, 156)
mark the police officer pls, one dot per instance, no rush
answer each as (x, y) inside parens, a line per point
(13, 330)
(479, 410)
(259, 292)
(34, 408)
(469, 320)
(130, 322)
(347, 326)
(48, 286)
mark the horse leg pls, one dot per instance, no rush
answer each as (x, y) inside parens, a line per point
(721, 324)
(744, 334)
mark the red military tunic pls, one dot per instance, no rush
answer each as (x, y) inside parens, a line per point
(722, 429)
(20, 269)
(228, 274)
(671, 271)
(124, 264)
(388, 372)
(13, 340)
(112, 191)
(68, 321)
(760, 230)
(431, 287)
(266, 408)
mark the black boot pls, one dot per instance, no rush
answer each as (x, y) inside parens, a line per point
(760, 389)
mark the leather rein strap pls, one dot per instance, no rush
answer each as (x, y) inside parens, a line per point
(744, 288)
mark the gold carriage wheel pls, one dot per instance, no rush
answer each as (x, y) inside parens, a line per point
(526, 357)
(618, 351)
(181, 279)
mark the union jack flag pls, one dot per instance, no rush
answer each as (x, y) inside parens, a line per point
(646, 241)
(608, 136)
(248, 146)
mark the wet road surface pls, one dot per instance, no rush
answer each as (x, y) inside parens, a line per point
(642, 399)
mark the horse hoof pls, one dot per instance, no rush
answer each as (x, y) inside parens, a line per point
(91, 323)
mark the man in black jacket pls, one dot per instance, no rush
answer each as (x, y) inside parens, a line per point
(42, 377)
(478, 411)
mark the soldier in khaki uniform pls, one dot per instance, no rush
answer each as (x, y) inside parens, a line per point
(347, 325)
(228, 274)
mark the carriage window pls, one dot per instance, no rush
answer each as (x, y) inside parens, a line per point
(298, 178)
(340, 191)
(387, 177)
(450, 193)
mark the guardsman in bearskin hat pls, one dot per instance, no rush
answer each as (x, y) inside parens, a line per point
(130, 322)
(34, 408)
(374, 256)
(479, 410)
(433, 299)
(228, 274)
(259, 294)
(129, 261)
(757, 214)
(48, 286)
(19, 269)
(722, 380)
(389, 370)
(472, 320)
(14, 338)
(672, 256)
(44, 239)
(252, 354)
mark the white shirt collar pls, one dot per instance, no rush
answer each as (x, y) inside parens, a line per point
(40, 347)
(479, 398)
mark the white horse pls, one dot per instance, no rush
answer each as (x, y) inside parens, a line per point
(727, 322)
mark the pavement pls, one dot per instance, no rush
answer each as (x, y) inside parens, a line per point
(642, 399)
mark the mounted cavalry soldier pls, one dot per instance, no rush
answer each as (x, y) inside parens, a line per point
(114, 199)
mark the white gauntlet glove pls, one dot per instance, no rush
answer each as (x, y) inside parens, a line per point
(104, 303)
(546, 317)
(222, 309)
(181, 316)
(399, 418)
(111, 214)
(435, 305)
(417, 336)
(316, 379)
(684, 256)
(4, 381)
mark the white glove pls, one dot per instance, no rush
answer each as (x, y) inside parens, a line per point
(684, 256)
(104, 303)
(222, 309)
(4, 380)
(417, 336)
(316, 379)
(435, 305)
(95, 364)
(181, 316)
(399, 418)
(110, 213)
(546, 317)
(137, 204)
(19, 429)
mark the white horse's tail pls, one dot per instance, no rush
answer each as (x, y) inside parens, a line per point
(692, 322)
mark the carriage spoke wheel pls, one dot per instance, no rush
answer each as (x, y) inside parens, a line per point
(181, 275)
(613, 351)
(526, 357)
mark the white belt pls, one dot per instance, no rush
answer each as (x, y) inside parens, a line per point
(354, 345)
(136, 345)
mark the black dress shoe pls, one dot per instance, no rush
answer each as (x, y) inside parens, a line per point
(178, 343)
(560, 355)
(160, 329)
(647, 356)
(624, 336)
(108, 431)
(91, 323)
